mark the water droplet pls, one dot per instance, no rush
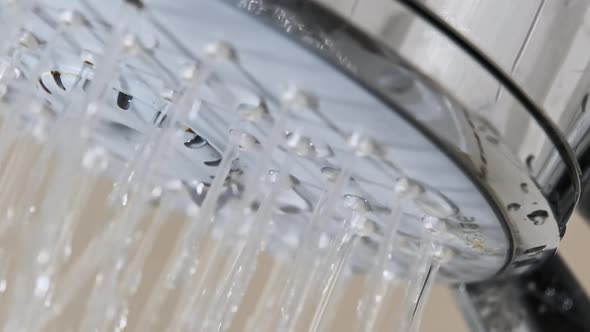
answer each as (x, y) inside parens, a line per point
(111, 311)
(330, 173)
(174, 185)
(39, 131)
(156, 192)
(324, 151)
(550, 292)
(299, 99)
(28, 40)
(87, 57)
(435, 204)
(252, 112)
(3, 285)
(119, 264)
(513, 207)
(43, 257)
(42, 285)
(300, 145)
(443, 254)
(135, 283)
(388, 275)
(291, 239)
(364, 146)
(132, 44)
(538, 217)
(168, 94)
(67, 251)
(356, 203)
(96, 159)
(362, 226)
(408, 188)
(192, 210)
(149, 41)
(72, 17)
(567, 304)
(221, 51)
(122, 323)
(433, 224)
(248, 141)
(324, 241)
(273, 175)
(9, 213)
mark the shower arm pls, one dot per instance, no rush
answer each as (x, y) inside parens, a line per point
(547, 299)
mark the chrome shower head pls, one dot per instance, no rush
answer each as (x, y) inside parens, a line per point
(274, 126)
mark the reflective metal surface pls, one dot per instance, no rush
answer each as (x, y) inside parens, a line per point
(373, 59)
(501, 217)
(541, 44)
(340, 112)
(360, 124)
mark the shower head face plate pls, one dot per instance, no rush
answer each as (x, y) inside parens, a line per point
(381, 125)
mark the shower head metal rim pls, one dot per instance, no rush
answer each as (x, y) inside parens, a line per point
(537, 112)
(529, 248)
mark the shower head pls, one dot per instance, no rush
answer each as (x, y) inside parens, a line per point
(349, 88)
(280, 126)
